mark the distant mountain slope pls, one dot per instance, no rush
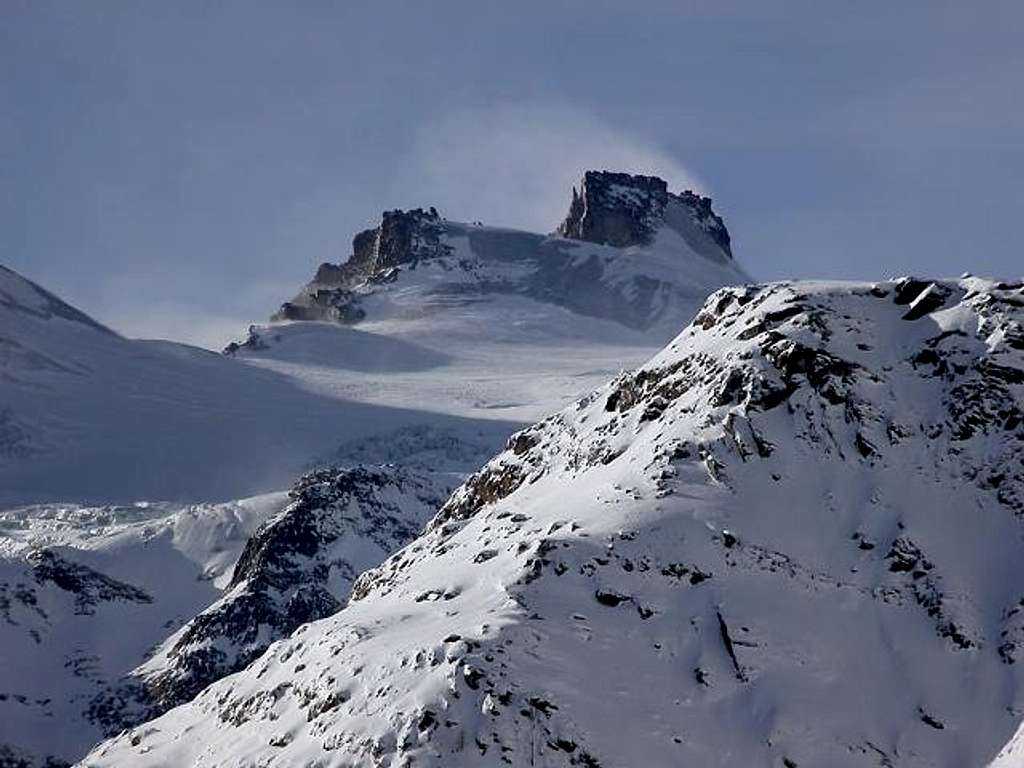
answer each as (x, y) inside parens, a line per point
(89, 416)
(629, 251)
(426, 350)
(86, 593)
(792, 538)
(297, 568)
(203, 588)
(460, 327)
(482, 321)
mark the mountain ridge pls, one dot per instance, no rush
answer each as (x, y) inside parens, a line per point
(92, 417)
(595, 264)
(842, 456)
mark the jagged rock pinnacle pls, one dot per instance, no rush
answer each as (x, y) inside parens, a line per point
(622, 209)
(401, 238)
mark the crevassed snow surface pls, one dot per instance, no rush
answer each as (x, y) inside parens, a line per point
(792, 538)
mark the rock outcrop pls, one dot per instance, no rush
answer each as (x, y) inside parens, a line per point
(623, 210)
(609, 259)
(298, 567)
(402, 239)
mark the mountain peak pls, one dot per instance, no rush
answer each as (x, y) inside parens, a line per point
(629, 251)
(623, 209)
(403, 238)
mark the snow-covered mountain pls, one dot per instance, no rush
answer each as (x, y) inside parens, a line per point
(461, 328)
(203, 588)
(483, 322)
(86, 594)
(91, 417)
(297, 568)
(89, 593)
(629, 251)
(792, 538)
(464, 333)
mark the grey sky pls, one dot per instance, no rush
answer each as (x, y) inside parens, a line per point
(178, 169)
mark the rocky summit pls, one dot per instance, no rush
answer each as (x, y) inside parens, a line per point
(402, 239)
(622, 209)
(792, 538)
(629, 250)
(787, 535)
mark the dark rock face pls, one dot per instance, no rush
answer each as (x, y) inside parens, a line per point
(297, 568)
(922, 297)
(403, 239)
(88, 586)
(615, 209)
(621, 210)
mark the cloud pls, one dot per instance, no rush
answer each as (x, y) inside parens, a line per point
(180, 307)
(514, 165)
(913, 121)
(177, 322)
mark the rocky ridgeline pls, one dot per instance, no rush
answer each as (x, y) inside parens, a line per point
(402, 239)
(623, 210)
(792, 538)
(605, 259)
(298, 567)
(45, 569)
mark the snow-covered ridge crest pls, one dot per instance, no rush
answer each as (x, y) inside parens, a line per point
(793, 537)
(22, 296)
(628, 251)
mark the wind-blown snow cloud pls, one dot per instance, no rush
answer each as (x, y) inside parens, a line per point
(138, 309)
(514, 164)
(176, 321)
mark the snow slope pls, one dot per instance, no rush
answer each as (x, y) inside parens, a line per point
(114, 615)
(481, 321)
(87, 593)
(466, 329)
(456, 348)
(1012, 755)
(792, 538)
(91, 417)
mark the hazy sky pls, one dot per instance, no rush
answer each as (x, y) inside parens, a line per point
(178, 169)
